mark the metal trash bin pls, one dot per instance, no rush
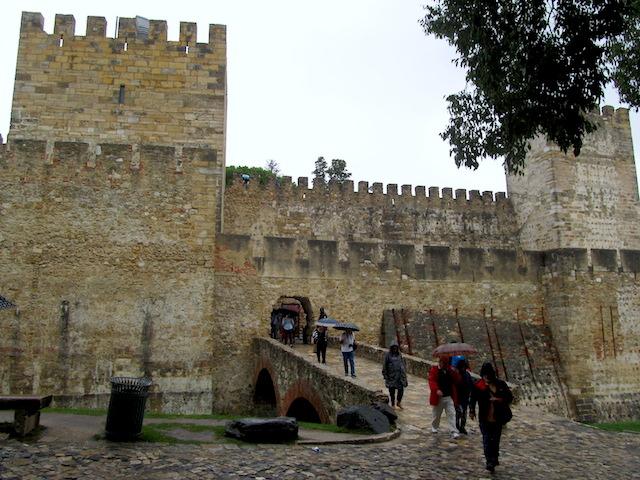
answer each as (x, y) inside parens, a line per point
(126, 407)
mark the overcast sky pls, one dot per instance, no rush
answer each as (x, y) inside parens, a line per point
(350, 79)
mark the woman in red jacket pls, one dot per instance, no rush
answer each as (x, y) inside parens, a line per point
(443, 379)
(493, 397)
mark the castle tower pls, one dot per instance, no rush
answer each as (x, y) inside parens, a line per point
(110, 196)
(583, 214)
(136, 89)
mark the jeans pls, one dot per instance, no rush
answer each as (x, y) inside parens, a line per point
(491, 432)
(392, 394)
(348, 356)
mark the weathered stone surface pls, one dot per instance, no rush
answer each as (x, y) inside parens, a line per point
(386, 410)
(263, 430)
(363, 417)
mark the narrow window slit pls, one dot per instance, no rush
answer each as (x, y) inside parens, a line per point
(61, 41)
(121, 94)
(186, 49)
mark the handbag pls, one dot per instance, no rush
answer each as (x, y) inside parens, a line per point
(354, 346)
(504, 414)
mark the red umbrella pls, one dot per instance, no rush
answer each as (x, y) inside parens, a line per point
(453, 349)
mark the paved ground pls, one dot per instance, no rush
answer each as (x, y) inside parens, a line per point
(536, 445)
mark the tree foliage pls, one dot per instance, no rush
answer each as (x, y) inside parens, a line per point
(261, 175)
(533, 67)
(273, 167)
(337, 172)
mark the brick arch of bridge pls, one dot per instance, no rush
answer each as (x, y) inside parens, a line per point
(303, 389)
(295, 374)
(299, 389)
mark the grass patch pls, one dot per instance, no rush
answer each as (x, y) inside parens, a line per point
(98, 412)
(328, 427)
(91, 412)
(632, 426)
(156, 433)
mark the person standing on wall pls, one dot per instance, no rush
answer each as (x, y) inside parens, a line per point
(394, 371)
(347, 347)
(493, 397)
(443, 379)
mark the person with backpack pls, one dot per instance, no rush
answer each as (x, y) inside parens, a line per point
(493, 397)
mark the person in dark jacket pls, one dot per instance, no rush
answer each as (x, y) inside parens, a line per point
(321, 339)
(465, 386)
(493, 397)
(394, 372)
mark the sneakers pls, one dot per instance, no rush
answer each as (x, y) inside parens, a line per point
(353, 375)
(455, 435)
(434, 430)
(400, 407)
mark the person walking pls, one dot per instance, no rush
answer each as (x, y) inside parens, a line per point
(443, 379)
(464, 388)
(394, 372)
(493, 397)
(347, 347)
(321, 339)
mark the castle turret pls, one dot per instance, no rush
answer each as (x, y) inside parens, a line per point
(583, 214)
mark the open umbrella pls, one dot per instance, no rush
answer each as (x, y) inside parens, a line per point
(327, 322)
(346, 326)
(453, 349)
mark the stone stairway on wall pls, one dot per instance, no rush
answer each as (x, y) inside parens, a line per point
(523, 352)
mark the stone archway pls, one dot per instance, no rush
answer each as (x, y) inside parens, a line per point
(301, 391)
(264, 395)
(303, 411)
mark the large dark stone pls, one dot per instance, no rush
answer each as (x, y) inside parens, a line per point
(263, 430)
(387, 411)
(363, 417)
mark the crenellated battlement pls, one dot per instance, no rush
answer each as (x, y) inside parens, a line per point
(286, 188)
(133, 31)
(137, 88)
(114, 159)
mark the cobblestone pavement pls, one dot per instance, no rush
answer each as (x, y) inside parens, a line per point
(535, 445)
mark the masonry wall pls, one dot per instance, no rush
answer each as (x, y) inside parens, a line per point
(584, 214)
(110, 263)
(588, 202)
(351, 288)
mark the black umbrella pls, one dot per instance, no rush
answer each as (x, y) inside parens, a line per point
(327, 322)
(346, 326)
(4, 303)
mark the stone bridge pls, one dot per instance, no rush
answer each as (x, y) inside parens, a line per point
(289, 381)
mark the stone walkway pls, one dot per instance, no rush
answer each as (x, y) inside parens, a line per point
(536, 445)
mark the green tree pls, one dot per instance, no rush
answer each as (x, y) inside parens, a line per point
(320, 170)
(336, 172)
(533, 67)
(273, 167)
(261, 175)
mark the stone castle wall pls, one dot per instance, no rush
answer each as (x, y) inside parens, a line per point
(126, 255)
(588, 202)
(111, 265)
(136, 88)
